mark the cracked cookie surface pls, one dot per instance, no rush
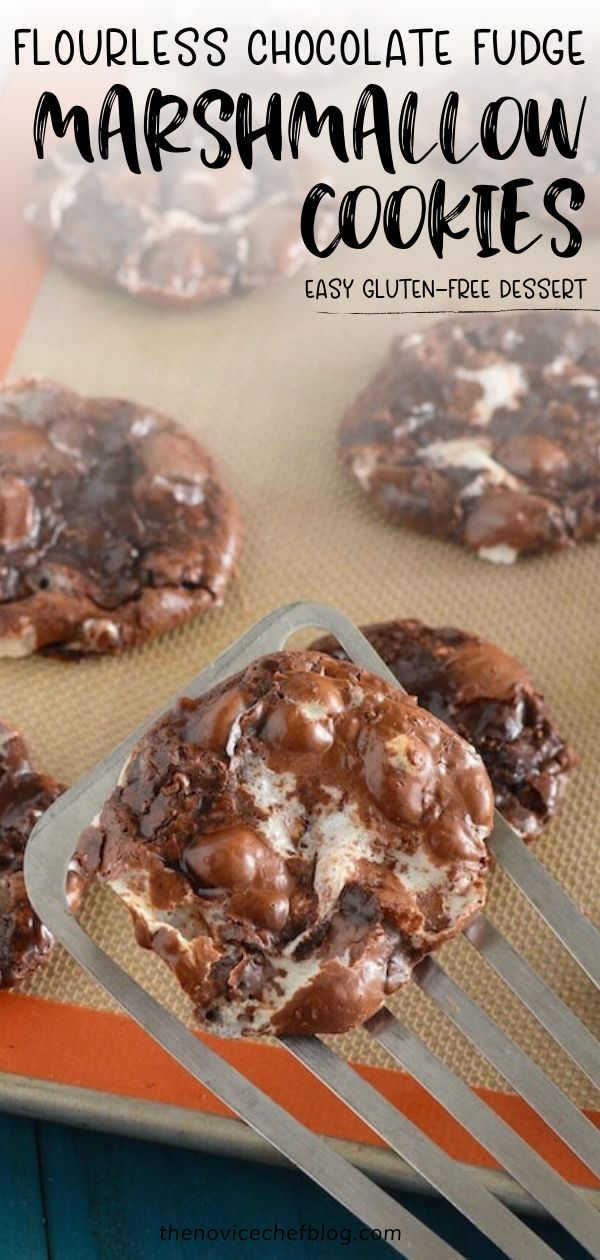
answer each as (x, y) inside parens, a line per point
(488, 697)
(292, 843)
(183, 236)
(486, 430)
(114, 523)
(24, 796)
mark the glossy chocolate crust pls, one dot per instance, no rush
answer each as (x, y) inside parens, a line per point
(182, 236)
(294, 842)
(489, 698)
(486, 430)
(24, 796)
(114, 523)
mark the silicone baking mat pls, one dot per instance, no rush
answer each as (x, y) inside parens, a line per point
(264, 380)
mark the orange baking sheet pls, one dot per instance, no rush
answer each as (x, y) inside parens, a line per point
(105, 1051)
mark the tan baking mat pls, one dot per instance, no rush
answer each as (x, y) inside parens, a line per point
(264, 380)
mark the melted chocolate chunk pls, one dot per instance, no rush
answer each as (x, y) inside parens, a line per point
(487, 697)
(114, 524)
(486, 431)
(24, 796)
(294, 842)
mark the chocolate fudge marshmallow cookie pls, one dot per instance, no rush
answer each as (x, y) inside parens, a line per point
(486, 430)
(182, 236)
(294, 842)
(487, 697)
(24, 797)
(114, 524)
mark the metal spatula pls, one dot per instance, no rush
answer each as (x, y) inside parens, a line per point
(49, 851)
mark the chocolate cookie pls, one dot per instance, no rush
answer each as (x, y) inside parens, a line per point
(486, 430)
(487, 697)
(24, 796)
(114, 524)
(294, 842)
(182, 236)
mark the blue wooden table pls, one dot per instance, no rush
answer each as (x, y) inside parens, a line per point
(67, 1194)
